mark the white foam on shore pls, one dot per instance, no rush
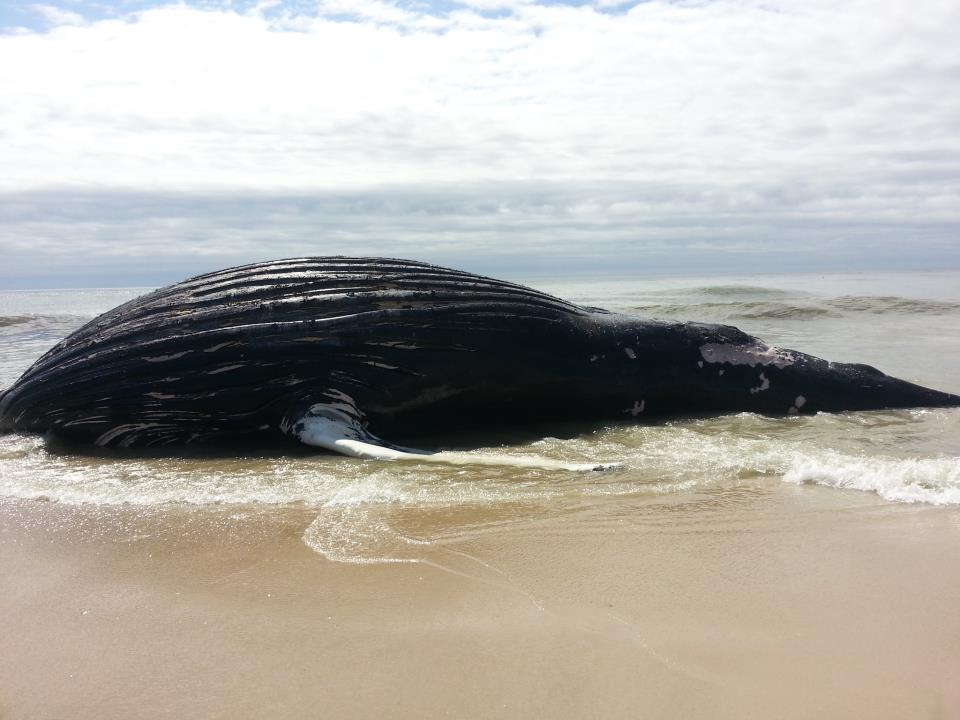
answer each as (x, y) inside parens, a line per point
(28, 470)
(854, 451)
(903, 457)
(360, 533)
(935, 481)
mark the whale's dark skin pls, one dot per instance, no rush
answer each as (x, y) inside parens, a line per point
(248, 353)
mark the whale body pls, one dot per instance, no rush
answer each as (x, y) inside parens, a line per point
(337, 351)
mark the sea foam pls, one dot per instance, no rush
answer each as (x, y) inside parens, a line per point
(915, 480)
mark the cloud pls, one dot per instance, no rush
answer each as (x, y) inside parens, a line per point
(509, 229)
(58, 16)
(723, 126)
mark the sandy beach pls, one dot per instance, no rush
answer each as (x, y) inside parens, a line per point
(769, 601)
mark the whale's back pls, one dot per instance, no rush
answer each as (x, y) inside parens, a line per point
(225, 352)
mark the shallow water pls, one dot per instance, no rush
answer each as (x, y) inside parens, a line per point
(907, 324)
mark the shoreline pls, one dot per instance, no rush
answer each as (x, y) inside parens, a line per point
(761, 601)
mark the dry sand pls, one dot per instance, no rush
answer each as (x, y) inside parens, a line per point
(766, 602)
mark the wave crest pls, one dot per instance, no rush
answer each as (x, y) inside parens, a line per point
(838, 307)
(935, 481)
(8, 320)
(741, 310)
(882, 304)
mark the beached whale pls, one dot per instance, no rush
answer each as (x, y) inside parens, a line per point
(337, 351)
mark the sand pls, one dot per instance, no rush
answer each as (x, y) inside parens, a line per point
(766, 601)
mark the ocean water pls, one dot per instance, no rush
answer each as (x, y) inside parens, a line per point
(906, 324)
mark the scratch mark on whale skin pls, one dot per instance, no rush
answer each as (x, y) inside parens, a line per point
(751, 355)
(227, 368)
(166, 358)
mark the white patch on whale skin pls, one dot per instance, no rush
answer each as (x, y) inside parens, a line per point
(764, 385)
(374, 363)
(160, 396)
(220, 346)
(398, 344)
(700, 363)
(119, 430)
(630, 353)
(593, 358)
(85, 420)
(164, 358)
(228, 368)
(800, 401)
(752, 355)
(638, 406)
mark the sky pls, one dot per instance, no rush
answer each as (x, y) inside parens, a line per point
(142, 142)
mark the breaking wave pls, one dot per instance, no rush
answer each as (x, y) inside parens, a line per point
(27, 337)
(8, 320)
(750, 308)
(739, 291)
(733, 311)
(915, 480)
(21, 323)
(881, 304)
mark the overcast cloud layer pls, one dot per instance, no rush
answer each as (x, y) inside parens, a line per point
(497, 135)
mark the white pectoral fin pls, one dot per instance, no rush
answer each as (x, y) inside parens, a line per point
(355, 448)
(324, 438)
(342, 432)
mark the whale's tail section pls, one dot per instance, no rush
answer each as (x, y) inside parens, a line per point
(838, 387)
(756, 377)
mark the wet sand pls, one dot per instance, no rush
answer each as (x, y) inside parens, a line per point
(769, 600)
